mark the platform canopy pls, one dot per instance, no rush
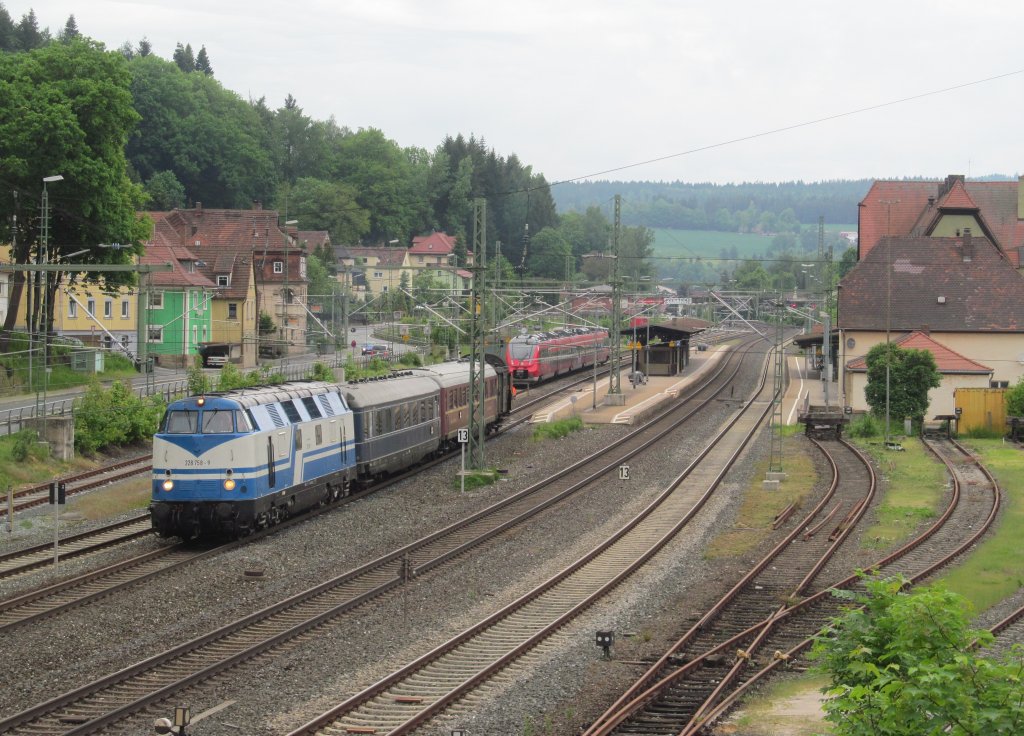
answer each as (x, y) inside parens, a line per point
(678, 329)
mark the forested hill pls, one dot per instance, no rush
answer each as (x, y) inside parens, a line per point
(725, 207)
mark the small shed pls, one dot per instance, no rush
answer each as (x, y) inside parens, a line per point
(662, 349)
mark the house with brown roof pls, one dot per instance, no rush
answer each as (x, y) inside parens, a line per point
(944, 209)
(435, 249)
(962, 292)
(227, 244)
(179, 303)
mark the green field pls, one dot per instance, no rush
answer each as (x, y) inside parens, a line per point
(709, 244)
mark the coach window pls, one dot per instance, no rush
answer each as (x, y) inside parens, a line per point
(407, 414)
(378, 422)
(416, 411)
(181, 422)
(217, 421)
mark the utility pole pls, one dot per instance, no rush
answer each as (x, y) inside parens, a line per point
(888, 305)
(614, 396)
(477, 372)
(778, 384)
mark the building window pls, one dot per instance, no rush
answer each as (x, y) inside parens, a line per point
(232, 311)
(378, 274)
(278, 267)
(156, 300)
(124, 309)
(108, 309)
(224, 280)
(156, 334)
(90, 306)
(419, 259)
(72, 309)
(998, 384)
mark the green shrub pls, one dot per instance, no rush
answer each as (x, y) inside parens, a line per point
(411, 360)
(198, 382)
(321, 372)
(479, 478)
(114, 416)
(557, 429)
(865, 426)
(23, 443)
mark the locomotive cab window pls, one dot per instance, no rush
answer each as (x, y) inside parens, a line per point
(243, 421)
(218, 421)
(182, 422)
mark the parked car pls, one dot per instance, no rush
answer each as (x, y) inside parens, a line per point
(378, 350)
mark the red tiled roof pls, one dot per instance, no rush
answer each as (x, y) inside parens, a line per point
(162, 252)
(217, 236)
(946, 360)
(932, 284)
(433, 243)
(957, 198)
(903, 208)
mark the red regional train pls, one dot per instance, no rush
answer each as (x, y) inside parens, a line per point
(534, 358)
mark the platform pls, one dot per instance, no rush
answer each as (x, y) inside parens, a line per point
(640, 401)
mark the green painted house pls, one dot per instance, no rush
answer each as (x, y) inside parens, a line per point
(180, 313)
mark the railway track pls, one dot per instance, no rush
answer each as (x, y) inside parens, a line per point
(673, 696)
(37, 495)
(113, 699)
(412, 696)
(47, 601)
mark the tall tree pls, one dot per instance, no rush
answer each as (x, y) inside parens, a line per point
(322, 205)
(29, 35)
(184, 58)
(70, 30)
(203, 62)
(8, 31)
(72, 118)
(145, 47)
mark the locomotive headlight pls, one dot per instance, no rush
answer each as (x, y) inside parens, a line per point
(167, 485)
(229, 485)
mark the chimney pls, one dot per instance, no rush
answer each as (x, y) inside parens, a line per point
(199, 209)
(1020, 198)
(257, 204)
(931, 201)
(968, 247)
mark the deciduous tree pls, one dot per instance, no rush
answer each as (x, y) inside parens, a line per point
(904, 663)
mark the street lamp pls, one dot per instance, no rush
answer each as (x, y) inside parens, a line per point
(43, 256)
(391, 298)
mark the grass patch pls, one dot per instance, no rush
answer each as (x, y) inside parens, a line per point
(915, 483)
(479, 478)
(36, 467)
(761, 506)
(129, 495)
(996, 567)
(788, 705)
(557, 429)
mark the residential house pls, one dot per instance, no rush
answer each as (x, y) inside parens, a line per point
(435, 249)
(282, 285)
(180, 303)
(226, 243)
(379, 269)
(962, 293)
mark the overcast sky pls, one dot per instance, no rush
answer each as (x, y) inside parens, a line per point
(580, 87)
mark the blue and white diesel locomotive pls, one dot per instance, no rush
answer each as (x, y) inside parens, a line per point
(227, 464)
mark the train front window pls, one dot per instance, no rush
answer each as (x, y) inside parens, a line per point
(182, 422)
(521, 350)
(218, 421)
